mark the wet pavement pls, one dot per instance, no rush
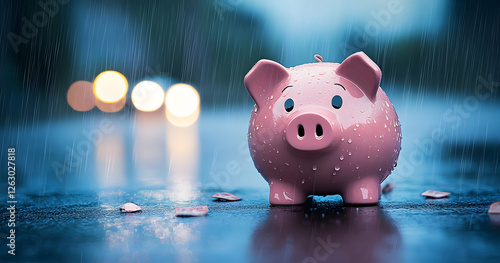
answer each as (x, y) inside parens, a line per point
(89, 228)
(74, 174)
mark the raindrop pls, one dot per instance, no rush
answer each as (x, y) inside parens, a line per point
(350, 153)
(334, 173)
(362, 111)
(367, 121)
(368, 156)
(315, 167)
(287, 164)
(386, 117)
(395, 164)
(374, 121)
(357, 167)
(387, 104)
(342, 139)
(357, 125)
(272, 162)
(379, 169)
(341, 157)
(385, 125)
(381, 136)
(303, 180)
(337, 167)
(349, 141)
(272, 97)
(355, 129)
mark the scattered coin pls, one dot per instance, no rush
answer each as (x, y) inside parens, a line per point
(130, 208)
(494, 208)
(226, 196)
(435, 194)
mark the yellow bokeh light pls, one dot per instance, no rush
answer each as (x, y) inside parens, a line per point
(182, 105)
(111, 107)
(147, 96)
(110, 86)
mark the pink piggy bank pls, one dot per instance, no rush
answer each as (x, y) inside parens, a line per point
(322, 129)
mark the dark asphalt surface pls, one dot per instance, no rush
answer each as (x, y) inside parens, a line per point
(89, 228)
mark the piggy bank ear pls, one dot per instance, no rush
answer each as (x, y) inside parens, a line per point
(361, 70)
(263, 79)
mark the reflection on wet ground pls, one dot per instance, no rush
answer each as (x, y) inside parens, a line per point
(342, 234)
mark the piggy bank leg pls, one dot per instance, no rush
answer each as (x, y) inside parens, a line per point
(285, 194)
(363, 191)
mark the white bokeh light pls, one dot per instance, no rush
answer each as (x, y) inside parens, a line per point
(147, 96)
(182, 100)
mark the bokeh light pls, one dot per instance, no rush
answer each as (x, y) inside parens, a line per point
(110, 86)
(80, 96)
(147, 96)
(182, 105)
(111, 107)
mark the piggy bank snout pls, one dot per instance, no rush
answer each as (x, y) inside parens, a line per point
(311, 131)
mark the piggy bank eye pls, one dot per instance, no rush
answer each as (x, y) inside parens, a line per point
(337, 102)
(289, 105)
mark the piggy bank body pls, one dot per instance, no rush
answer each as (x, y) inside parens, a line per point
(322, 129)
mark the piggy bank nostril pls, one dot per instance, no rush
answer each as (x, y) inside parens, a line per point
(319, 130)
(302, 132)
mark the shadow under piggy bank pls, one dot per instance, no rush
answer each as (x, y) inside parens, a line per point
(338, 234)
